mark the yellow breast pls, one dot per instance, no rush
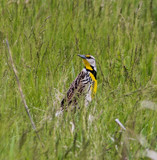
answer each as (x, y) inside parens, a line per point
(94, 87)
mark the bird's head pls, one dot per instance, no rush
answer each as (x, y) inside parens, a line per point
(89, 62)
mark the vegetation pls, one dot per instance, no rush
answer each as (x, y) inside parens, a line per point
(45, 38)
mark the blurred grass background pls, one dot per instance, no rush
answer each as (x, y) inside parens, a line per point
(45, 38)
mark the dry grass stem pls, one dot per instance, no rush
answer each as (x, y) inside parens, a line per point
(20, 90)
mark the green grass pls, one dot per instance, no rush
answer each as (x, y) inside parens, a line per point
(45, 38)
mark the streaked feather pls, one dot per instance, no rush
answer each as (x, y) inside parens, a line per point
(76, 89)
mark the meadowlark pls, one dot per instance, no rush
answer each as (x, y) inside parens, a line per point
(85, 84)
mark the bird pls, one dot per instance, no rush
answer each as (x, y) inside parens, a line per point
(85, 84)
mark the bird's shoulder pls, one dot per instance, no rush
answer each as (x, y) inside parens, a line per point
(76, 84)
(75, 89)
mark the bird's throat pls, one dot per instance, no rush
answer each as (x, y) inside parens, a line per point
(87, 65)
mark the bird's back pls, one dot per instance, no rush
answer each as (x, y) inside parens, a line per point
(81, 86)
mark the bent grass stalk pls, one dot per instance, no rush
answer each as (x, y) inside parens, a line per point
(21, 92)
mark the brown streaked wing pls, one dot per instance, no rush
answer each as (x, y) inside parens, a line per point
(76, 87)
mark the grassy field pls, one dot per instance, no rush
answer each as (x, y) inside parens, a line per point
(45, 38)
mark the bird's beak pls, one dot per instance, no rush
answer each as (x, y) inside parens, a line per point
(82, 56)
